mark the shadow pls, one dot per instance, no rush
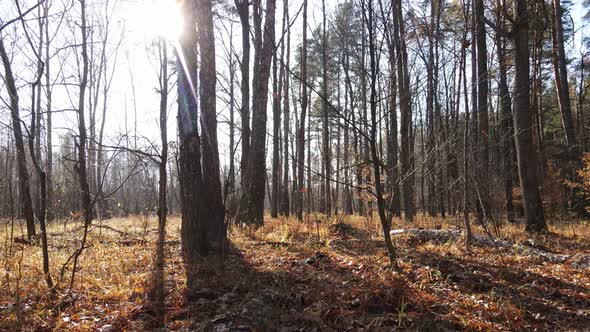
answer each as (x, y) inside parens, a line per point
(303, 289)
(341, 285)
(544, 300)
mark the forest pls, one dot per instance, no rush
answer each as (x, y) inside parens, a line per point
(294, 165)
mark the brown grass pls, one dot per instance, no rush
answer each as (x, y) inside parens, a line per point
(267, 283)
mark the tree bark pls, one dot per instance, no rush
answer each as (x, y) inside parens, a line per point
(325, 111)
(407, 178)
(561, 80)
(215, 211)
(284, 208)
(525, 150)
(243, 11)
(252, 201)
(23, 174)
(506, 120)
(375, 160)
(301, 129)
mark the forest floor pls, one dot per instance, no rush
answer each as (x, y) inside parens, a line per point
(318, 275)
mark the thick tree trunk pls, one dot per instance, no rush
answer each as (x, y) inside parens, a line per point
(252, 201)
(203, 231)
(525, 150)
(211, 176)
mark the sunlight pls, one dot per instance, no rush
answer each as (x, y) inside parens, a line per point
(156, 19)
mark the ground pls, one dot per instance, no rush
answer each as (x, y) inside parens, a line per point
(323, 275)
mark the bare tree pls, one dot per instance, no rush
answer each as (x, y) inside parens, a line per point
(23, 174)
(301, 128)
(252, 200)
(525, 150)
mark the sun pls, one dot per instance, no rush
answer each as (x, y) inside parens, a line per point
(153, 19)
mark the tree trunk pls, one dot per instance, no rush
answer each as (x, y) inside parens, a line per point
(23, 174)
(525, 150)
(561, 80)
(406, 113)
(203, 231)
(243, 11)
(81, 163)
(375, 160)
(301, 129)
(49, 124)
(252, 201)
(276, 114)
(284, 208)
(325, 111)
(211, 177)
(159, 295)
(506, 121)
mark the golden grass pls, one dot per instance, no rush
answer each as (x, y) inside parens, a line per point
(115, 271)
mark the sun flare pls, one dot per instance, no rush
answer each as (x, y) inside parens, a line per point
(156, 19)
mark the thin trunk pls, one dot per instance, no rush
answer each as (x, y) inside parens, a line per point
(375, 160)
(407, 178)
(325, 111)
(82, 175)
(159, 294)
(284, 208)
(505, 120)
(243, 11)
(301, 129)
(561, 80)
(23, 174)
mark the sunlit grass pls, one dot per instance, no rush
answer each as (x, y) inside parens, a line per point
(115, 270)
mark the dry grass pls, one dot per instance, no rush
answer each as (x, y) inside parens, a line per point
(300, 275)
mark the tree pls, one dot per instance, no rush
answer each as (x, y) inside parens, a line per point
(243, 11)
(407, 177)
(252, 200)
(301, 129)
(23, 174)
(82, 140)
(506, 116)
(561, 80)
(158, 294)
(525, 150)
(284, 204)
(482, 107)
(276, 107)
(375, 160)
(203, 231)
(325, 110)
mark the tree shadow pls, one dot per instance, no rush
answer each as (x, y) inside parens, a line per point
(544, 300)
(303, 289)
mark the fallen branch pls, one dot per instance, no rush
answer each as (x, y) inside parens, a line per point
(525, 248)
